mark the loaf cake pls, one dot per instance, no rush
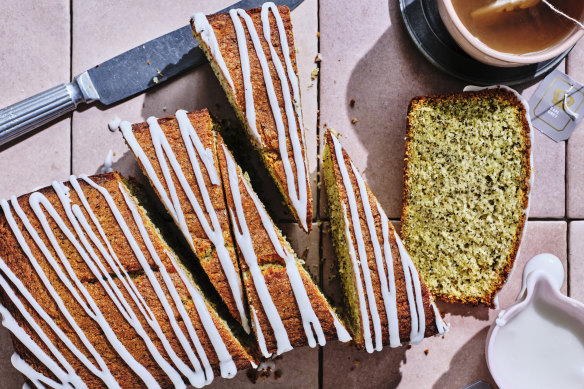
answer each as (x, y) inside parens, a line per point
(287, 308)
(466, 185)
(177, 155)
(94, 297)
(386, 301)
(283, 300)
(252, 53)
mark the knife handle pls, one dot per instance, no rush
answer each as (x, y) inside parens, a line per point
(33, 112)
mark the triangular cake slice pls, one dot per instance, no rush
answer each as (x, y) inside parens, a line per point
(287, 308)
(95, 298)
(252, 53)
(177, 155)
(387, 302)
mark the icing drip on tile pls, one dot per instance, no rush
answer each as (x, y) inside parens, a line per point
(194, 148)
(298, 193)
(245, 243)
(84, 240)
(204, 29)
(360, 245)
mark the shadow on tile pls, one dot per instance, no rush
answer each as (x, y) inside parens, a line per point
(468, 364)
(479, 312)
(346, 367)
(381, 106)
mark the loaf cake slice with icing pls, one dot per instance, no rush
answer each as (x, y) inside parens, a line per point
(286, 307)
(466, 190)
(387, 303)
(94, 297)
(252, 53)
(177, 155)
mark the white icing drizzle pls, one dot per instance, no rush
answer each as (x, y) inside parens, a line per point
(442, 326)
(67, 375)
(391, 308)
(360, 291)
(212, 229)
(114, 124)
(342, 332)
(198, 377)
(108, 163)
(307, 314)
(259, 334)
(360, 245)
(292, 76)
(250, 112)
(226, 363)
(389, 297)
(245, 243)
(87, 303)
(298, 196)
(86, 251)
(310, 321)
(204, 29)
(101, 372)
(387, 285)
(414, 291)
(38, 379)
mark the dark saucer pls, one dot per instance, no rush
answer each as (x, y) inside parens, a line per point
(425, 26)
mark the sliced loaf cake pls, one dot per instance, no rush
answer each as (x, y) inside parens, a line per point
(466, 186)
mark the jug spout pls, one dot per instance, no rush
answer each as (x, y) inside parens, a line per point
(549, 266)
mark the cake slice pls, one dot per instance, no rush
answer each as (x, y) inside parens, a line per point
(94, 297)
(386, 301)
(287, 308)
(466, 186)
(177, 155)
(252, 53)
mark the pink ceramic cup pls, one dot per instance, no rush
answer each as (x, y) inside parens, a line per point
(481, 52)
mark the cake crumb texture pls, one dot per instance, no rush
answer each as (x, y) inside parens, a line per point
(466, 185)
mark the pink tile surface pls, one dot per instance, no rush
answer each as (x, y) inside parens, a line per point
(575, 154)
(576, 258)
(35, 57)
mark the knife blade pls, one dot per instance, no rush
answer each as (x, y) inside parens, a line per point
(126, 75)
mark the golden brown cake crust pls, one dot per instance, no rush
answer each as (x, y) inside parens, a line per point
(273, 269)
(507, 95)
(202, 245)
(266, 125)
(403, 308)
(13, 255)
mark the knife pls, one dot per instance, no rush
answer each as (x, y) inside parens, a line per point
(119, 78)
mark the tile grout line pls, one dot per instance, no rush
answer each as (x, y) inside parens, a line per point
(318, 189)
(71, 79)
